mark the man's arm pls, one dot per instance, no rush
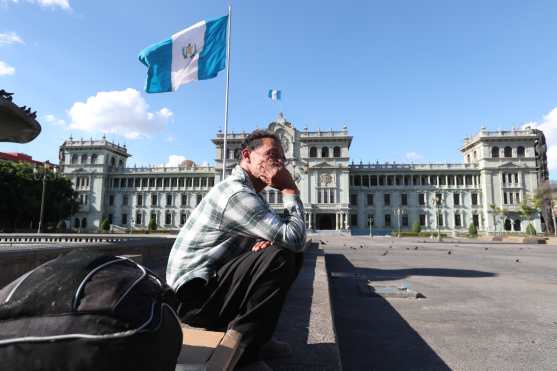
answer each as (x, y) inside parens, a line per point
(248, 215)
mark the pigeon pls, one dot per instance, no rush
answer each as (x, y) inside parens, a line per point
(361, 246)
(391, 246)
(416, 248)
(486, 249)
(517, 260)
(385, 253)
(407, 248)
(449, 252)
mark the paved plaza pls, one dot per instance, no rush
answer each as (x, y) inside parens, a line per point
(487, 305)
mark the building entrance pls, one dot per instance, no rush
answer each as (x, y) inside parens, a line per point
(325, 221)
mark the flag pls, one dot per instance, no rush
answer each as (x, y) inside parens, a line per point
(275, 94)
(196, 53)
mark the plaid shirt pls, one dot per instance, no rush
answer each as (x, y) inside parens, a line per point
(227, 223)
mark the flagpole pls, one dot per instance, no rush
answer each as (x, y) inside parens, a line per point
(224, 155)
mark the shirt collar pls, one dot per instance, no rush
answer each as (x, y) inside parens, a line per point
(244, 177)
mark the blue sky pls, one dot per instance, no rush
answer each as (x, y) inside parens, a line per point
(410, 79)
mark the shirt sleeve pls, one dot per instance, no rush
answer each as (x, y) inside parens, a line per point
(248, 215)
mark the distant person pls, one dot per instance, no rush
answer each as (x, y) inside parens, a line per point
(235, 258)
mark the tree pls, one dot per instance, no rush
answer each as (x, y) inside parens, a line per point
(543, 199)
(528, 208)
(531, 230)
(20, 197)
(416, 227)
(495, 212)
(152, 224)
(105, 225)
(472, 230)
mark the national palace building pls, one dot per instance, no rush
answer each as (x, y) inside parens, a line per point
(499, 167)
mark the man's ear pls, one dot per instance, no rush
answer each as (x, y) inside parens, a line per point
(246, 155)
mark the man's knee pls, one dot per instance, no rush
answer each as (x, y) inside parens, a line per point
(287, 262)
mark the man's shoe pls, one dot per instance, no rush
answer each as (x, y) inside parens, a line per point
(255, 366)
(275, 349)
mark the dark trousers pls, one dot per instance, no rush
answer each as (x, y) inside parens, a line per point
(247, 295)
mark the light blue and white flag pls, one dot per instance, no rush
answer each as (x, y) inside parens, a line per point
(196, 53)
(275, 94)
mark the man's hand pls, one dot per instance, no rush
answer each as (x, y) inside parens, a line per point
(260, 245)
(279, 178)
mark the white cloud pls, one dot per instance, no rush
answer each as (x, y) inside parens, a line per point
(10, 38)
(53, 120)
(121, 112)
(174, 160)
(63, 4)
(6, 69)
(549, 128)
(413, 156)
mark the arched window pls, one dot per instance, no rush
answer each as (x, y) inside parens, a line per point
(83, 159)
(112, 161)
(495, 152)
(507, 224)
(74, 159)
(336, 152)
(520, 151)
(468, 158)
(325, 152)
(84, 223)
(313, 152)
(508, 152)
(94, 159)
(517, 225)
(475, 155)
(76, 223)
(120, 163)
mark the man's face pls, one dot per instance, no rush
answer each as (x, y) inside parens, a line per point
(265, 159)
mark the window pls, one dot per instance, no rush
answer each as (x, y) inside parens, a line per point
(516, 225)
(370, 199)
(381, 180)
(387, 199)
(387, 220)
(173, 182)
(198, 199)
(120, 163)
(137, 182)
(440, 219)
(459, 180)
(84, 223)
(373, 180)
(421, 199)
(517, 197)
(404, 199)
(112, 161)
(204, 182)
(93, 159)
(407, 180)
(456, 199)
(389, 180)
(336, 152)
(196, 182)
(183, 218)
(74, 161)
(138, 218)
(442, 180)
(159, 182)
(211, 181)
(110, 219)
(405, 220)
(457, 220)
(520, 152)
(422, 219)
(124, 219)
(166, 182)
(130, 182)
(83, 159)
(475, 155)
(184, 200)
(168, 200)
(144, 182)
(425, 180)
(505, 198)
(353, 199)
(116, 183)
(152, 182)
(495, 152)
(474, 199)
(468, 180)
(353, 220)
(468, 158)
(153, 200)
(111, 200)
(357, 180)
(365, 181)
(476, 220)
(451, 180)
(139, 200)
(168, 218)
(280, 196)
(313, 152)
(516, 178)
(123, 183)
(237, 154)
(508, 152)
(325, 196)
(125, 200)
(181, 182)
(331, 196)
(325, 152)
(415, 180)
(433, 179)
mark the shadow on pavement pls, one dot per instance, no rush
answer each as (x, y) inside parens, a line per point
(312, 348)
(371, 333)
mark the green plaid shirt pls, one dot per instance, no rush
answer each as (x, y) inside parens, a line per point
(227, 223)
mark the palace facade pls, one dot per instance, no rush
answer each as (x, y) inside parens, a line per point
(500, 168)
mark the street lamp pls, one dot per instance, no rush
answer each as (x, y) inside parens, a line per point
(437, 201)
(399, 211)
(370, 221)
(37, 173)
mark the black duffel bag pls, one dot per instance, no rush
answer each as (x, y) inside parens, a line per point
(87, 311)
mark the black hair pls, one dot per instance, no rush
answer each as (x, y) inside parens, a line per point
(255, 139)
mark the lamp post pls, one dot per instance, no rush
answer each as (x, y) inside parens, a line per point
(437, 201)
(399, 211)
(42, 173)
(370, 221)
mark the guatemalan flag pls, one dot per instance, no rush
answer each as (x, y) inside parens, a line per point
(275, 94)
(196, 53)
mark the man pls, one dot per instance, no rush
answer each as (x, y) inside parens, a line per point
(235, 259)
